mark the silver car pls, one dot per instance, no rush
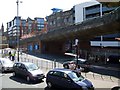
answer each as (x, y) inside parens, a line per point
(28, 70)
(6, 65)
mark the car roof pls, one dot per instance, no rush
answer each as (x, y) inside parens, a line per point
(62, 70)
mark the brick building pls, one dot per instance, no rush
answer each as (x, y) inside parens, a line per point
(18, 29)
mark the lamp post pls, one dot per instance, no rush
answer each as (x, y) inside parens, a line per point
(18, 31)
(76, 44)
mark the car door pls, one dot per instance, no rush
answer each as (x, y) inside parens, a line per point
(0, 65)
(17, 68)
(55, 78)
(65, 80)
(61, 79)
(23, 70)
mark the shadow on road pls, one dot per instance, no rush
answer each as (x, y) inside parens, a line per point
(23, 81)
(58, 57)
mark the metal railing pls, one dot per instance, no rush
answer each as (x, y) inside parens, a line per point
(47, 65)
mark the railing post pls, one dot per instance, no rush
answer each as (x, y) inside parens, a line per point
(54, 63)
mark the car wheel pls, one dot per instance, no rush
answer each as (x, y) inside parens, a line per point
(3, 70)
(49, 84)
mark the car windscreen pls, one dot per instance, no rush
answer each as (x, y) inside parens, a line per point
(75, 77)
(32, 67)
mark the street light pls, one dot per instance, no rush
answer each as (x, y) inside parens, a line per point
(76, 44)
(18, 27)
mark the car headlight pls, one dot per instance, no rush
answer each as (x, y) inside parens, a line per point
(84, 88)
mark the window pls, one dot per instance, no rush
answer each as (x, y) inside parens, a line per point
(56, 73)
(51, 72)
(36, 46)
(22, 66)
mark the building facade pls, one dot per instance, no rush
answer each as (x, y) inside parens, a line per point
(78, 14)
(18, 29)
(59, 19)
(3, 38)
(105, 44)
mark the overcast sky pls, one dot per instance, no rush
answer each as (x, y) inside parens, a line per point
(32, 8)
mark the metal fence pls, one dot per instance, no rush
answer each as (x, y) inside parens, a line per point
(47, 65)
(40, 62)
(96, 76)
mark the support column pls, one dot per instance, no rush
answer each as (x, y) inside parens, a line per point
(84, 47)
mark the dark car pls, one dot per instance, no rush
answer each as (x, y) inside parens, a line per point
(83, 63)
(114, 59)
(29, 71)
(69, 64)
(66, 78)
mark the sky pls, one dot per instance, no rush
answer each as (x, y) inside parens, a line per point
(32, 8)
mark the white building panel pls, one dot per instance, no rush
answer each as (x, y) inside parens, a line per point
(105, 43)
(79, 10)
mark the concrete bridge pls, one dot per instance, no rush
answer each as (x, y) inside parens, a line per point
(53, 41)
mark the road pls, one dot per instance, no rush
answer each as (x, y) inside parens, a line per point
(8, 81)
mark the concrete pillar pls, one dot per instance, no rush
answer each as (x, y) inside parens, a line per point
(84, 44)
(84, 47)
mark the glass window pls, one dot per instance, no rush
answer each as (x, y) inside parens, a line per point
(32, 67)
(75, 77)
(36, 47)
(51, 72)
(57, 73)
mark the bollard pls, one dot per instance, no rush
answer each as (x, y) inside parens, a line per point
(102, 77)
(85, 75)
(111, 78)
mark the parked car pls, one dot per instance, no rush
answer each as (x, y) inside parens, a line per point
(66, 78)
(29, 71)
(6, 65)
(69, 65)
(83, 63)
(113, 59)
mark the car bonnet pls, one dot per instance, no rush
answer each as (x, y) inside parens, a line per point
(36, 72)
(84, 83)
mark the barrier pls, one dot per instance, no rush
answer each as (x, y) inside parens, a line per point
(47, 65)
(96, 76)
